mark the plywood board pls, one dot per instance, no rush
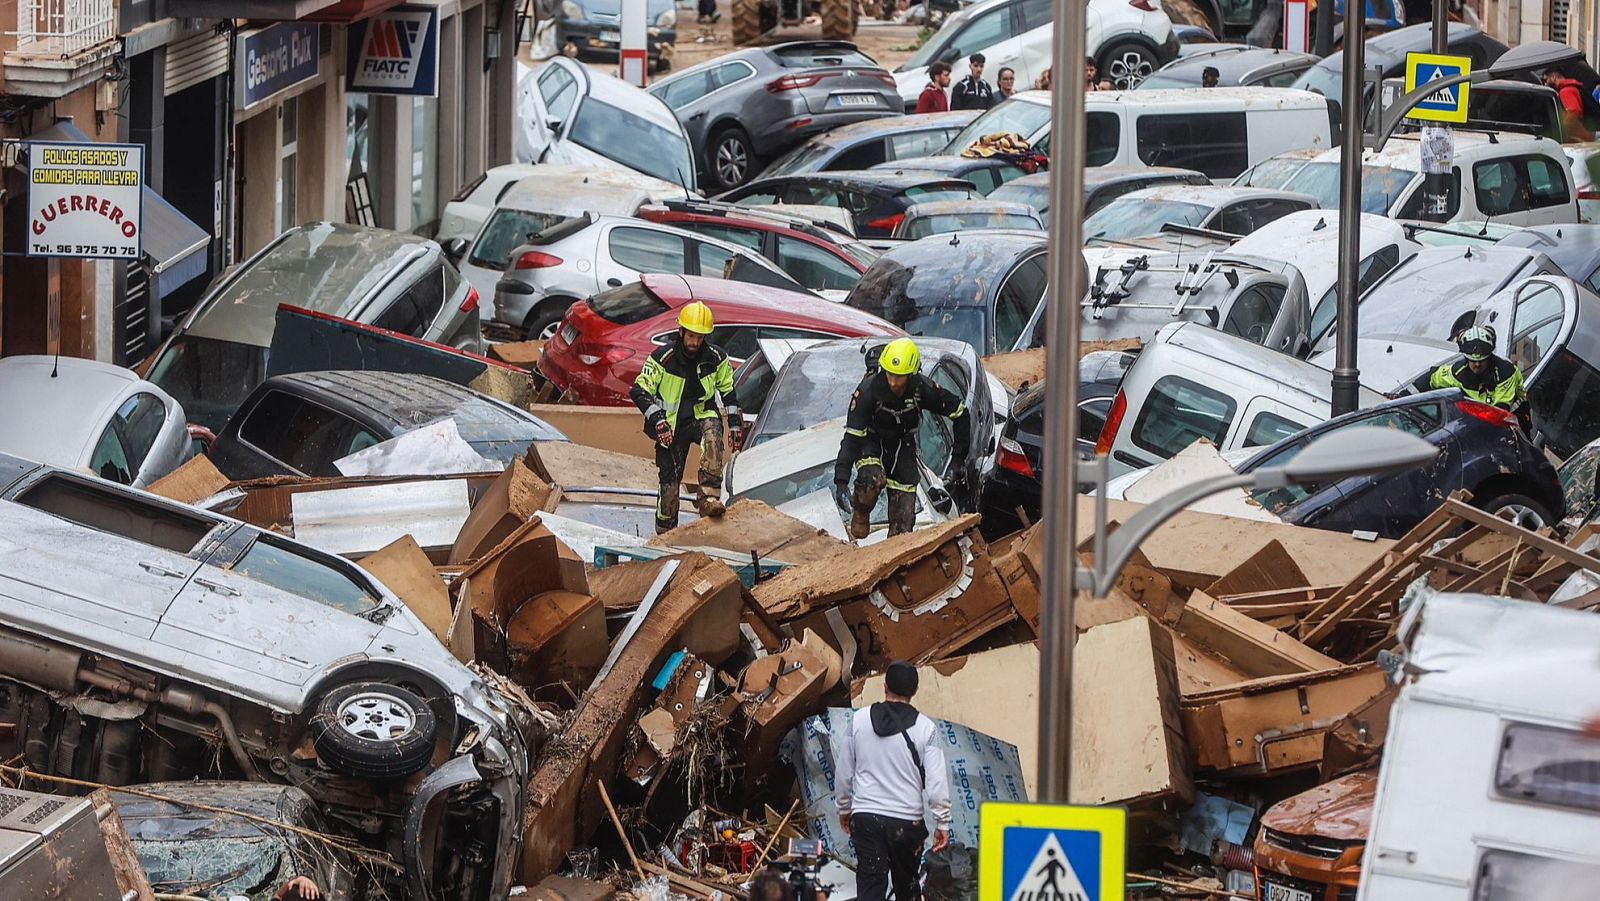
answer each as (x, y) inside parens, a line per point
(800, 589)
(405, 569)
(516, 496)
(1127, 733)
(1251, 646)
(752, 526)
(572, 465)
(194, 481)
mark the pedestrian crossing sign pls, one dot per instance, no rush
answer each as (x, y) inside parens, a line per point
(1448, 104)
(1051, 852)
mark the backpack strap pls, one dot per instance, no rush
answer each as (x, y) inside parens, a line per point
(915, 757)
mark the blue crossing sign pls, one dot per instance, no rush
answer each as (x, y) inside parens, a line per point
(1448, 104)
(1051, 852)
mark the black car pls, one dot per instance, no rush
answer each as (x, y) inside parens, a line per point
(1101, 185)
(1482, 449)
(1388, 52)
(300, 424)
(876, 200)
(1241, 67)
(1017, 481)
(984, 288)
(866, 144)
(986, 174)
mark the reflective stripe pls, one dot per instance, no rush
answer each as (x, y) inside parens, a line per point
(960, 408)
(859, 433)
(900, 486)
(652, 410)
(869, 461)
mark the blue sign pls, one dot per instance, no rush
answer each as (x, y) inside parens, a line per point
(1447, 104)
(1051, 852)
(395, 52)
(278, 58)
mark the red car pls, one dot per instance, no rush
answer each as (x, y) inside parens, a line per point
(812, 253)
(603, 342)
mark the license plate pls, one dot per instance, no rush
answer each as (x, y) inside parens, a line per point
(611, 37)
(856, 99)
(1284, 893)
(569, 334)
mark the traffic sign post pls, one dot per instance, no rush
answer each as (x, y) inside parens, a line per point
(1052, 852)
(1448, 104)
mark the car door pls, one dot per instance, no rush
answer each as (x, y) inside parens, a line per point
(277, 611)
(1015, 305)
(546, 109)
(1392, 504)
(629, 250)
(94, 564)
(1029, 52)
(685, 96)
(1252, 314)
(119, 455)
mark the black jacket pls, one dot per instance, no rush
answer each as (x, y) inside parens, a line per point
(877, 412)
(972, 93)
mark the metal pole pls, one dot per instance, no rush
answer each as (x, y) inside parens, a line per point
(1437, 144)
(1346, 375)
(1324, 43)
(1065, 319)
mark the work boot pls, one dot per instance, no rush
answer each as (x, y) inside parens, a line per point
(710, 506)
(860, 522)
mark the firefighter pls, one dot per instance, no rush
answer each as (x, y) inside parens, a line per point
(880, 438)
(1482, 376)
(686, 394)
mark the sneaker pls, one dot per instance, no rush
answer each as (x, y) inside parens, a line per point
(715, 18)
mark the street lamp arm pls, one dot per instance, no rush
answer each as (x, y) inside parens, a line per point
(1126, 539)
(1389, 119)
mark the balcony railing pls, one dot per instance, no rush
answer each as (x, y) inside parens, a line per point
(62, 28)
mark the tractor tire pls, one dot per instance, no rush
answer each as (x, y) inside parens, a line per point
(838, 20)
(746, 22)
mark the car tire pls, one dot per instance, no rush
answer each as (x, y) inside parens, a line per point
(746, 22)
(1520, 509)
(838, 20)
(544, 319)
(1127, 63)
(732, 158)
(374, 730)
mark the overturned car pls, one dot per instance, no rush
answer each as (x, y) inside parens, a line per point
(145, 641)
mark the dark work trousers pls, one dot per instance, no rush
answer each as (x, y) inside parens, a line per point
(887, 850)
(670, 461)
(888, 463)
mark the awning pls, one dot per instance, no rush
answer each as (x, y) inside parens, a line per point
(173, 245)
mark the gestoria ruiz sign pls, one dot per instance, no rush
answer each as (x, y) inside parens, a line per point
(85, 200)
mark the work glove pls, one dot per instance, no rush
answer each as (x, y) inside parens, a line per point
(841, 494)
(664, 433)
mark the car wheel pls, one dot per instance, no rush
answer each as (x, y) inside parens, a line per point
(1520, 510)
(1127, 64)
(374, 730)
(545, 319)
(731, 158)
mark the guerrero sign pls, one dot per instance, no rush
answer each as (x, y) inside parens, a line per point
(85, 200)
(396, 52)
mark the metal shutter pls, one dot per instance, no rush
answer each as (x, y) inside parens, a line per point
(195, 59)
(1559, 12)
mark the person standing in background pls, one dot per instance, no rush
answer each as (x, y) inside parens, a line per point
(1005, 83)
(933, 99)
(973, 92)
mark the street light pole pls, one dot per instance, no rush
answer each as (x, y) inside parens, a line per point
(1346, 374)
(1438, 141)
(1065, 319)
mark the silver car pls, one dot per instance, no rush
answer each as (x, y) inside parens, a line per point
(85, 415)
(142, 639)
(388, 279)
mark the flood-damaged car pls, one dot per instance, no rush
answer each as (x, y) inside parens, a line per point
(142, 640)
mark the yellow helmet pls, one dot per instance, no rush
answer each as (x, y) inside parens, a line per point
(696, 317)
(900, 357)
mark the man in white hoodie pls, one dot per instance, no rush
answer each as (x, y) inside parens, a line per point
(889, 769)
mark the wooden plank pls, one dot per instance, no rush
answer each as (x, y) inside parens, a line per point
(1279, 596)
(1254, 648)
(1320, 623)
(1547, 546)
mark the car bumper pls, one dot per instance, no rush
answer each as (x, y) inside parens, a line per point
(789, 132)
(604, 38)
(514, 300)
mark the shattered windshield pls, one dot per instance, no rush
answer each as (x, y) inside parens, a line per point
(813, 388)
(938, 295)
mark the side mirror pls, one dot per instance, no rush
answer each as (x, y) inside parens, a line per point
(455, 248)
(950, 55)
(941, 500)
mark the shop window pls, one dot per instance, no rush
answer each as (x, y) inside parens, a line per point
(287, 215)
(424, 165)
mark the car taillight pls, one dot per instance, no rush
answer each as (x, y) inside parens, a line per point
(794, 82)
(887, 223)
(1108, 432)
(1010, 456)
(801, 122)
(886, 78)
(1492, 415)
(471, 303)
(535, 259)
(1145, 5)
(1589, 195)
(614, 355)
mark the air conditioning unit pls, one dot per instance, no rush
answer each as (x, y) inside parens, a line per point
(51, 848)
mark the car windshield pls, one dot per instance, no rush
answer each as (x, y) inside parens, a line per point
(1273, 173)
(1130, 217)
(508, 229)
(1381, 186)
(1013, 116)
(931, 49)
(209, 377)
(923, 226)
(1452, 288)
(628, 304)
(633, 141)
(807, 54)
(1325, 78)
(813, 387)
(786, 488)
(1036, 196)
(808, 157)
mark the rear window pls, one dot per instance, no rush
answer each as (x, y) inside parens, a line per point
(807, 55)
(627, 304)
(508, 229)
(1214, 143)
(929, 195)
(1178, 413)
(209, 377)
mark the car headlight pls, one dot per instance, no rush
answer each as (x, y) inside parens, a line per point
(668, 19)
(572, 12)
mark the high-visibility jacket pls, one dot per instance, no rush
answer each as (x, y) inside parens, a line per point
(877, 412)
(677, 388)
(1500, 385)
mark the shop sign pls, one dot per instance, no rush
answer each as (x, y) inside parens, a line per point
(395, 52)
(85, 200)
(277, 58)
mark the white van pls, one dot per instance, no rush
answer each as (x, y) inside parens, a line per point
(1502, 177)
(1196, 382)
(548, 196)
(1218, 131)
(1488, 790)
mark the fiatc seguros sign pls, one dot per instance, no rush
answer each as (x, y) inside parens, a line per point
(395, 52)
